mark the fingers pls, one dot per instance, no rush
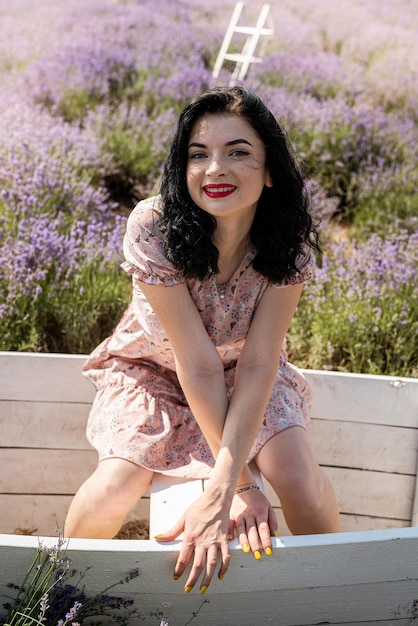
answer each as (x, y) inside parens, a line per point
(204, 560)
(231, 530)
(255, 535)
(185, 556)
(272, 520)
(173, 533)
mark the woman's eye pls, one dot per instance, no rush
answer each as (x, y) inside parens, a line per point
(239, 153)
(197, 155)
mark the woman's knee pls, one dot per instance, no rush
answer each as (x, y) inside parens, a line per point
(117, 484)
(289, 465)
(306, 486)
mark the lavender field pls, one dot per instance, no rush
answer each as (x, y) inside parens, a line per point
(90, 92)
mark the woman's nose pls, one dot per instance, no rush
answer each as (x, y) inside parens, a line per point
(216, 167)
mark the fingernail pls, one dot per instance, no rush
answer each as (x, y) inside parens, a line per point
(160, 535)
(276, 534)
(175, 577)
(245, 548)
(230, 536)
(203, 589)
(188, 589)
(257, 555)
(221, 576)
(268, 551)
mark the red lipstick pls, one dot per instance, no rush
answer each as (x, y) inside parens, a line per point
(218, 191)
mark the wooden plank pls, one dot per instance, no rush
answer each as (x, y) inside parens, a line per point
(165, 511)
(349, 578)
(365, 446)
(44, 471)
(350, 523)
(337, 395)
(374, 494)
(364, 398)
(50, 377)
(170, 498)
(44, 424)
(44, 514)
(358, 523)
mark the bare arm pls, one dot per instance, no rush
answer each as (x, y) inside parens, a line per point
(230, 428)
(256, 373)
(198, 364)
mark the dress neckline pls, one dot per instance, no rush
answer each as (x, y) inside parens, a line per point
(222, 288)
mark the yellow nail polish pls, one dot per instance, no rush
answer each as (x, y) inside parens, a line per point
(257, 555)
(275, 534)
(203, 589)
(159, 535)
(230, 536)
(268, 551)
(175, 577)
(188, 589)
(221, 577)
(245, 548)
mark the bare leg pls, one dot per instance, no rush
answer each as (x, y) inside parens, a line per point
(308, 500)
(103, 501)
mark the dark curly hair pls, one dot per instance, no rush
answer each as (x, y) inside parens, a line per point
(282, 227)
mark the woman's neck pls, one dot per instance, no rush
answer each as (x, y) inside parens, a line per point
(232, 247)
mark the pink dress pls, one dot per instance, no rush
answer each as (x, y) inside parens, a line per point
(140, 412)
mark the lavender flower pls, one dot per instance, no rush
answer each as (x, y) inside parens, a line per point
(90, 96)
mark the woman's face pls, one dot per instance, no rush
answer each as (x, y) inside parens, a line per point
(226, 166)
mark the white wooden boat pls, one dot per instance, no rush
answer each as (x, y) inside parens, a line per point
(365, 435)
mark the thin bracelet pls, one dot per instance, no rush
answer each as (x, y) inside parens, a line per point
(242, 489)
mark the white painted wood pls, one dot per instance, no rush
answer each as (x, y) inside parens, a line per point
(364, 398)
(44, 514)
(170, 499)
(349, 578)
(414, 515)
(44, 404)
(227, 39)
(367, 398)
(374, 494)
(365, 435)
(52, 377)
(350, 522)
(365, 446)
(247, 56)
(44, 471)
(43, 424)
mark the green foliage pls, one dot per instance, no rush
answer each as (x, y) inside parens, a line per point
(48, 595)
(70, 316)
(360, 313)
(344, 157)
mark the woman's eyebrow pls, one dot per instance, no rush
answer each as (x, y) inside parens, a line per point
(233, 142)
(236, 141)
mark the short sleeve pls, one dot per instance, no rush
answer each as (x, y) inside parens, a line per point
(143, 247)
(305, 264)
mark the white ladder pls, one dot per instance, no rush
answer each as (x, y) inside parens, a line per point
(244, 58)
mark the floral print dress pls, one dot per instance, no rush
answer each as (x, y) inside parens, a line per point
(140, 412)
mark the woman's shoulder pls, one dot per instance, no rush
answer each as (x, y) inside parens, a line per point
(146, 214)
(143, 246)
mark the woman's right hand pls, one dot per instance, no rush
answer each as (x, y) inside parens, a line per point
(253, 521)
(205, 527)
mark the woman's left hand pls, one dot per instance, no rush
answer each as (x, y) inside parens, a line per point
(253, 521)
(204, 526)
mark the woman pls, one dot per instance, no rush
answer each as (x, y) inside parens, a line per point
(194, 381)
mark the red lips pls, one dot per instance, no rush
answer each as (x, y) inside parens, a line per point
(219, 191)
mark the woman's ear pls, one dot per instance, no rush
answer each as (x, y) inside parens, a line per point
(268, 181)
